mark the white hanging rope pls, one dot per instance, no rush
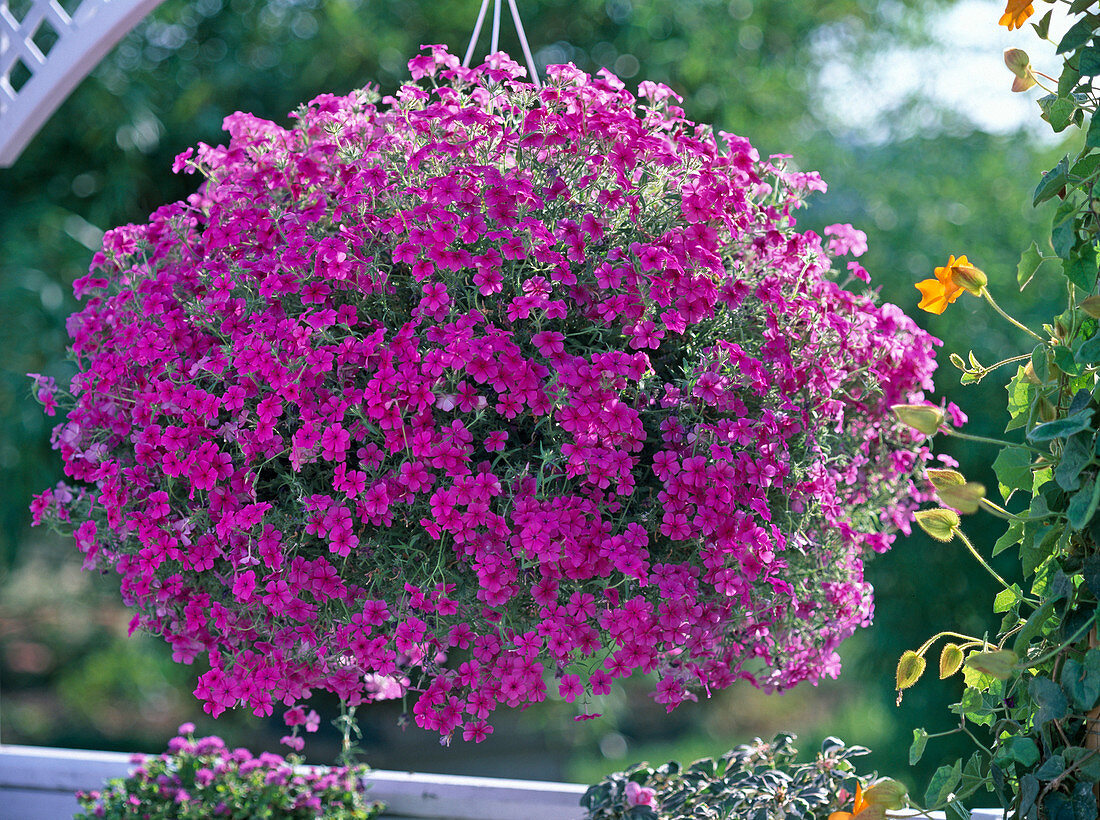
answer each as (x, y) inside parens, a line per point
(523, 43)
(476, 34)
(494, 39)
(494, 42)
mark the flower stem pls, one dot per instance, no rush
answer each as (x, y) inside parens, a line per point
(978, 556)
(951, 431)
(989, 298)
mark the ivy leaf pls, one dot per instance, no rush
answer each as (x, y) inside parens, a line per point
(1030, 261)
(1020, 393)
(1017, 749)
(1075, 457)
(1089, 63)
(1078, 34)
(1051, 700)
(1082, 506)
(1042, 28)
(1089, 352)
(1062, 428)
(943, 784)
(1080, 268)
(1029, 792)
(1052, 182)
(1012, 536)
(1081, 680)
(1083, 802)
(1051, 768)
(1008, 598)
(1063, 234)
(916, 751)
(1092, 138)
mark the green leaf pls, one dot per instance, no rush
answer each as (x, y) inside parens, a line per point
(1062, 428)
(1063, 234)
(1082, 506)
(1052, 182)
(1080, 268)
(1033, 554)
(1051, 700)
(1030, 261)
(1020, 394)
(943, 784)
(1078, 34)
(1078, 6)
(1020, 750)
(1012, 536)
(1092, 138)
(1051, 768)
(1085, 166)
(1067, 80)
(1008, 598)
(1064, 361)
(1089, 351)
(1029, 792)
(1042, 28)
(916, 751)
(1012, 466)
(1083, 802)
(1076, 455)
(1081, 680)
(1089, 62)
(1060, 113)
(1089, 768)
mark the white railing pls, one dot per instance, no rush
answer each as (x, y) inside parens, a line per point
(52, 52)
(39, 784)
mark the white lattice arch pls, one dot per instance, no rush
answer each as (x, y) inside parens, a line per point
(54, 71)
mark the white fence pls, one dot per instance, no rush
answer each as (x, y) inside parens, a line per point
(39, 784)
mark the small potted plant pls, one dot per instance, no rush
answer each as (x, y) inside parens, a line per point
(756, 781)
(199, 779)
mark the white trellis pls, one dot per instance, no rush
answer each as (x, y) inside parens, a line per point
(49, 52)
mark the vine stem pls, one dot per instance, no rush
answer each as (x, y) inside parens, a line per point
(951, 431)
(989, 298)
(978, 556)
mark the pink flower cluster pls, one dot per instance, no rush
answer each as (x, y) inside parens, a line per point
(488, 388)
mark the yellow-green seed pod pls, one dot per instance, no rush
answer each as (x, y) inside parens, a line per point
(951, 658)
(910, 668)
(963, 497)
(923, 418)
(944, 478)
(940, 524)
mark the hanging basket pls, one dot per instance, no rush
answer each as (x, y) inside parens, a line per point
(489, 387)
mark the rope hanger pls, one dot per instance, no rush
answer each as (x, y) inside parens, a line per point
(494, 42)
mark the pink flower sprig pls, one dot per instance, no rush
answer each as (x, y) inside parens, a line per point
(487, 387)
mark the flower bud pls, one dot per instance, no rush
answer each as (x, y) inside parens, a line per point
(969, 278)
(963, 497)
(951, 658)
(924, 418)
(910, 668)
(939, 524)
(999, 663)
(1020, 64)
(944, 478)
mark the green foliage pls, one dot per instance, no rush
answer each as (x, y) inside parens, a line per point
(757, 781)
(1039, 698)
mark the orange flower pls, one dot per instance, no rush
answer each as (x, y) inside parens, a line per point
(858, 807)
(938, 293)
(1016, 12)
